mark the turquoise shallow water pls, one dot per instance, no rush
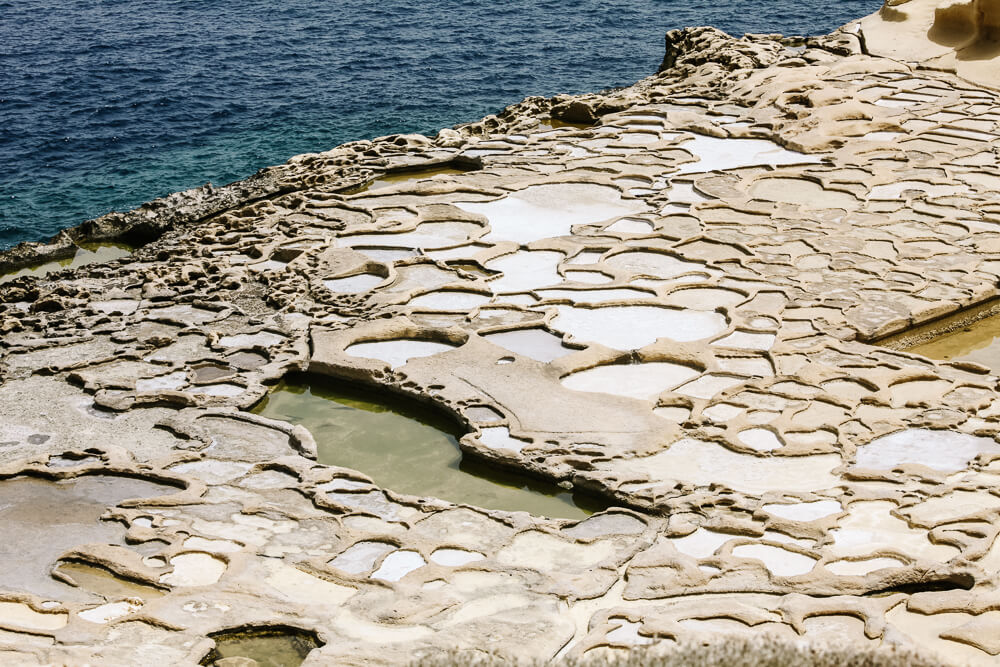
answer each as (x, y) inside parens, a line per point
(108, 103)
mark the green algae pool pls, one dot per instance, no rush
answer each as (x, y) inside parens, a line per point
(410, 448)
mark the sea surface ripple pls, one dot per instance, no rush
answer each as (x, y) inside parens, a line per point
(106, 104)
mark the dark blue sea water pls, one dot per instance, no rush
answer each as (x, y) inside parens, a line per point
(105, 104)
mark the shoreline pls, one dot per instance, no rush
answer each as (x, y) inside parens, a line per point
(153, 218)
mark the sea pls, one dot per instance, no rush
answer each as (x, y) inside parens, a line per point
(106, 104)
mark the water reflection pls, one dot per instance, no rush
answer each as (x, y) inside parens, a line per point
(406, 176)
(87, 253)
(268, 647)
(978, 342)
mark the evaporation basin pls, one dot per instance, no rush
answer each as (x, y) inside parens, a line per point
(409, 447)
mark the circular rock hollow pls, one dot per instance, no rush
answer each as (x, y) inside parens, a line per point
(282, 645)
(397, 352)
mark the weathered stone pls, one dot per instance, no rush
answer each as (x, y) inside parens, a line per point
(665, 295)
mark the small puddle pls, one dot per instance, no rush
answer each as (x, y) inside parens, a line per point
(209, 371)
(409, 448)
(269, 647)
(971, 334)
(42, 520)
(409, 176)
(449, 300)
(525, 270)
(104, 582)
(426, 236)
(978, 342)
(780, 562)
(87, 253)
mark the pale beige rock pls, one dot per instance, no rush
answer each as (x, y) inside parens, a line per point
(695, 344)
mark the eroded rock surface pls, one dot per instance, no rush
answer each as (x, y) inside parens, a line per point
(672, 305)
(963, 37)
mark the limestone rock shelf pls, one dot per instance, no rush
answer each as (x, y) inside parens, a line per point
(663, 295)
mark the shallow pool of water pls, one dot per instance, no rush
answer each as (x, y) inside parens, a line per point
(408, 447)
(104, 582)
(88, 253)
(553, 124)
(979, 342)
(277, 647)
